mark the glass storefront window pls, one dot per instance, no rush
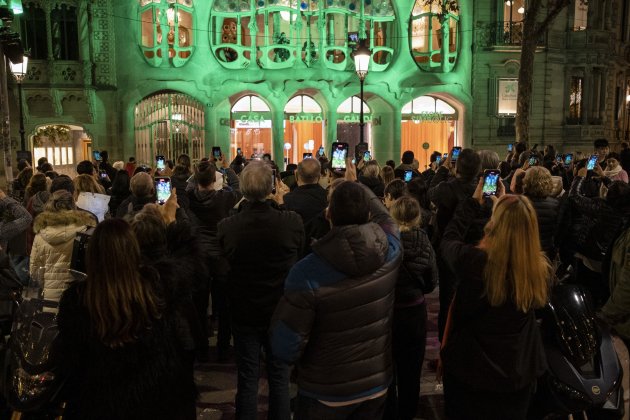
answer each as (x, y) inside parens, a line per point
(304, 127)
(250, 124)
(433, 35)
(281, 33)
(166, 31)
(348, 122)
(169, 124)
(428, 120)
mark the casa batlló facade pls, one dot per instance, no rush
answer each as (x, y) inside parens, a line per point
(147, 77)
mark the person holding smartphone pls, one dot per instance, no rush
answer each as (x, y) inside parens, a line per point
(446, 193)
(207, 206)
(492, 352)
(408, 163)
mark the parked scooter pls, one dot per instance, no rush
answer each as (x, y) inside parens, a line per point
(584, 372)
(32, 379)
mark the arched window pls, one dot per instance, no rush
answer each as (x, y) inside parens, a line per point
(428, 120)
(169, 124)
(281, 33)
(250, 124)
(166, 31)
(353, 106)
(304, 127)
(433, 35)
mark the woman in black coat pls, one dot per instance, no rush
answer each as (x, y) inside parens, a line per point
(492, 351)
(119, 346)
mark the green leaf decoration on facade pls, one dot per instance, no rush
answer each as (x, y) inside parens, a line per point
(52, 135)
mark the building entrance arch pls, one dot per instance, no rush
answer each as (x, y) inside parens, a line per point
(169, 123)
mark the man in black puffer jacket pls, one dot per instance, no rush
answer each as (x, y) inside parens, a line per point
(334, 319)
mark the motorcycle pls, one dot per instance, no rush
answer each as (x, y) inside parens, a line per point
(584, 372)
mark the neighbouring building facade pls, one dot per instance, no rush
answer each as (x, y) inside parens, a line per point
(163, 77)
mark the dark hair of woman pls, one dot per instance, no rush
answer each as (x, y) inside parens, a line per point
(419, 190)
(184, 160)
(25, 176)
(121, 303)
(181, 170)
(36, 184)
(120, 185)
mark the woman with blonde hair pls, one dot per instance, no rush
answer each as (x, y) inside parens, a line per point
(417, 276)
(538, 186)
(387, 173)
(492, 351)
(90, 196)
(86, 183)
(370, 176)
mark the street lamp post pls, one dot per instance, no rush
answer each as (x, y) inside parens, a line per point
(361, 64)
(19, 72)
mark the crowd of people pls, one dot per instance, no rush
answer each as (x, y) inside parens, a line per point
(321, 269)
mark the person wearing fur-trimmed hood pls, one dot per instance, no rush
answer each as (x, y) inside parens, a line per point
(55, 230)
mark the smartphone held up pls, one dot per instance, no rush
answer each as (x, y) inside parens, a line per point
(162, 188)
(491, 179)
(160, 162)
(339, 155)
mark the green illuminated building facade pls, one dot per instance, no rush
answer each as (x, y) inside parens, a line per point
(146, 77)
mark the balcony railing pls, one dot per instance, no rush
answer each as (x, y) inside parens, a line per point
(494, 34)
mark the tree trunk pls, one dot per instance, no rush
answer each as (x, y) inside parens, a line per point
(526, 71)
(525, 88)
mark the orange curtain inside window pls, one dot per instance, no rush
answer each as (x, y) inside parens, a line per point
(439, 135)
(298, 134)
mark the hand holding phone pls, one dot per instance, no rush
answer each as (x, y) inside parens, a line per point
(339, 155)
(510, 147)
(592, 161)
(216, 152)
(162, 188)
(533, 161)
(320, 151)
(160, 162)
(408, 176)
(273, 181)
(367, 156)
(491, 178)
(359, 151)
(96, 155)
(307, 156)
(568, 159)
(455, 154)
